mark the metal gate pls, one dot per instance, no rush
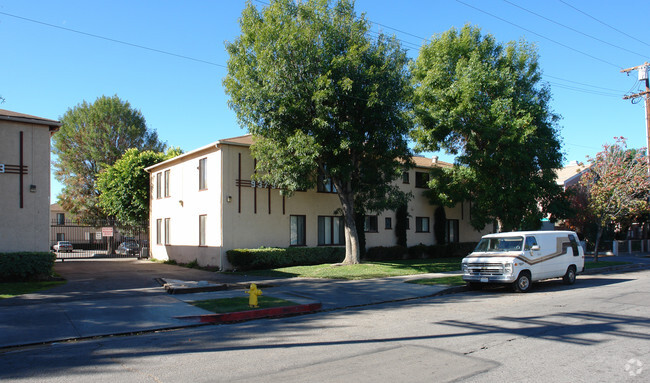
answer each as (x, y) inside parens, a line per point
(71, 239)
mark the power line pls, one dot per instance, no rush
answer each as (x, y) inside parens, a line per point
(604, 23)
(115, 40)
(581, 83)
(540, 35)
(574, 30)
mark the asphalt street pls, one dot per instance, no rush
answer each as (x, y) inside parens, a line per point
(595, 331)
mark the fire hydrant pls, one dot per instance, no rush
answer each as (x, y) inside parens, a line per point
(252, 295)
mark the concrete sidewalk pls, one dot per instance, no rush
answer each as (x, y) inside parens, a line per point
(112, 297)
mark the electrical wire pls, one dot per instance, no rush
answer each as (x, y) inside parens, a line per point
(540, 35)
(574, 30)
(604, 23)
(115, 40)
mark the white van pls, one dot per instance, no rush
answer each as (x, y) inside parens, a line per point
(523, 257)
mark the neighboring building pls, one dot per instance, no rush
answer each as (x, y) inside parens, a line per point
(25, 181)
(204, 203)
(570, 175)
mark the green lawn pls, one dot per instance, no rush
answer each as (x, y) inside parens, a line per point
(595, 265)
(231, 305)
(364, 270)
(12, 289)
(454, 280)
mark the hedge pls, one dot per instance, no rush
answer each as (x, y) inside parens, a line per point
(271, 258)
(25, 266)
(381, 253)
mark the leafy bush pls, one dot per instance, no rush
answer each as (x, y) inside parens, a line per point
(271, 258)
(381, 253)
(18, 267)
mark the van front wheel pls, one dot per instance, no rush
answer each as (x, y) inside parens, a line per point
(523, 283)
(570, 277)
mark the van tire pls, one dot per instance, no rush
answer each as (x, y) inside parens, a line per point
(523, 283)
(570, 277)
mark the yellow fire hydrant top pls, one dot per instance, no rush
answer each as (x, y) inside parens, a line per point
(252, 295)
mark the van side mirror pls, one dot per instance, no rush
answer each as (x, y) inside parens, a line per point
(535, 248)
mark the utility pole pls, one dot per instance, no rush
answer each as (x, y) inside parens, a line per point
(643, 76)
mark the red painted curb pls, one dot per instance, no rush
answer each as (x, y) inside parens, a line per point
(254, 314)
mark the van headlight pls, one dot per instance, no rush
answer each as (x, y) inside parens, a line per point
(464, 266)
(507, 268)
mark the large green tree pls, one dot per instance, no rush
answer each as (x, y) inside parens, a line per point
(321, 96)
(92, 137)
(617, 185)
(124, 186)
(484, 102)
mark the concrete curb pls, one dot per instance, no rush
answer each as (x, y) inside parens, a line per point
(608, 269)
(241, 316)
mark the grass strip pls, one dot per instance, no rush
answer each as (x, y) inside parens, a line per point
(364, 270)
(599, 264)
(236, 304)
(454, 280)
(12, 289)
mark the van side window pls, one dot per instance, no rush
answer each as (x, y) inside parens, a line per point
(574, 245)
(530, 242)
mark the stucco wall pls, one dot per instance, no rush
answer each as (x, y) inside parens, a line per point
(27, 228)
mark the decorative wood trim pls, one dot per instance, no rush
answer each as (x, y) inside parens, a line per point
(239, 186)
(20, 188)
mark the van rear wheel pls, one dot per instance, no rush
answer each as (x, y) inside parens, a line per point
(523, 283)
(570, 277)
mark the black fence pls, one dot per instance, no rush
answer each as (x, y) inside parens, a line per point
(98, 239)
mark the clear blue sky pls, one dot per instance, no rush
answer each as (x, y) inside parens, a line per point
(45, 70)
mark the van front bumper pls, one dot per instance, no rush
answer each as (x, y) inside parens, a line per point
(490, 278)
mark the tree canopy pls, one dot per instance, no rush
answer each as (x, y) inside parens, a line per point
(617, 185)
(320, 96)
(92, 137)
(484, 102)
(124, 186)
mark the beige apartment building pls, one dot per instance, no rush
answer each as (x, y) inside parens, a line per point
(204, 203)
(25, 181)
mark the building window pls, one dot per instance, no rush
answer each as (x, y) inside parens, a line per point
(421, 224)
(388, 223)
(202, 221)
(203, 175)
(167, 221)
(453, 235)
(330, 230)
(166, 183)
(298, 233)
(60, 218)
(60, 236)
(159, 185)
(405, 178)
(159, 231)
(325, 184)
(421, 180)
(370, 224)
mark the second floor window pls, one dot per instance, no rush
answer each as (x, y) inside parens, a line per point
(159, 185)
(325, 184)
(203, 175)
(421, 180)
(166, 183)
(60, 218)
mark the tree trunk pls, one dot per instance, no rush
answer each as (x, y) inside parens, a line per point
(599, 233)
(352, 255)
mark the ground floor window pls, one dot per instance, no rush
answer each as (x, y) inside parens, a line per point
(167, 225)
(60, 236)
(202, 222)
(298, 236)
(452, 231)
(370, 224)
(159, 231)
(421, 224)
(330, 230)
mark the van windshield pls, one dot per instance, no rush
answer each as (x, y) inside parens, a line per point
(500, 244)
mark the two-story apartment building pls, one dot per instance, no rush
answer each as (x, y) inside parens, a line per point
(204, 203)
(25, 181)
